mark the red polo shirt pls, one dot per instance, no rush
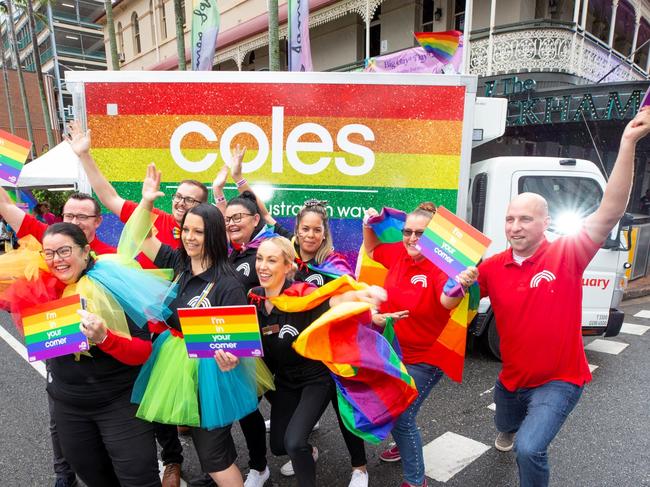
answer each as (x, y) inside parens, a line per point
(413, 286)
(31, 226)
(538, 310)
(169, 232)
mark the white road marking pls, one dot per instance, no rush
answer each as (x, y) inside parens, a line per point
(486, 392)
(21, 350)
(644, 313)
(492, 406)
(592, 367)
(634, 329)
(450, 453)
(607, 346)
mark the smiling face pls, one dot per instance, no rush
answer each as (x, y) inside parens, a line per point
(240, 223)
(311, 234)
(193, 236)
(179, 206)
(65, 269)
(271, 265)
(413, 230)
(74, 209)
(526, 221)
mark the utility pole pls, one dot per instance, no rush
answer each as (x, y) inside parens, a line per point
(274, 36)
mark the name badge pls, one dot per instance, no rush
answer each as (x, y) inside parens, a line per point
(271, 329)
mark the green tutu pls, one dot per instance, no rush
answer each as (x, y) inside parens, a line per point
(175, 389)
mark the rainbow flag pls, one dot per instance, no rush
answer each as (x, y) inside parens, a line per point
(13, 154)
(27, 199)
(233, 329)
(370, 271)
(452, 244)
(373, 386)
(52, 329)
(442, 45)
(333, 266)
(388, 225)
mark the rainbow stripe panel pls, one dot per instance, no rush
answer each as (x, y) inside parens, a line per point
(451, 244)
(409, 138)
(52, 329)
(13, 154)
(232, 329)
(442, 45)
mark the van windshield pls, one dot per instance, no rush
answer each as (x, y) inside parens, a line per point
(570, 199)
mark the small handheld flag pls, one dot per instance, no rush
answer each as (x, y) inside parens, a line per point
(13, 154)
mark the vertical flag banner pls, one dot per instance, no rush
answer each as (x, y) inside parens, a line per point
(233, 329)
(452, 244)
(52, 329)
(13, 154)
(299, 46)
(205, 27)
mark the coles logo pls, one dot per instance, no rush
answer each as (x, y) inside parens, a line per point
(277, 146)
(544, 275)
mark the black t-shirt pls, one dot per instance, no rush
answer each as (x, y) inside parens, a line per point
(244, 261)
(290, 369)
(226, 291)
(95, 380)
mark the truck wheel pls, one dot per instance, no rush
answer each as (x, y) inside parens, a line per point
(494, 342)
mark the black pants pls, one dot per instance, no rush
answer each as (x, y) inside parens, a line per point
(108, 446)
(254, 430)
(62, 468)
(294, 413)
(355, 445)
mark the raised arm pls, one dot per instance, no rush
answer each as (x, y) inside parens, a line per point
(242, 183)
(617, 192)
(217, 189)
(13, 215)
(370, 240)
(80, 142)
(150, 193)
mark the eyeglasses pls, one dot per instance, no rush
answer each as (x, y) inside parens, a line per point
(68, 217)
(188, 200)
(236, 218)
(407, 232)
(62, 252)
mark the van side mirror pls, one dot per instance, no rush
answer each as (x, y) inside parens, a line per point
(615, 243)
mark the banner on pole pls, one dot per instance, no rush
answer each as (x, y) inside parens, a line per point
(299, 46)
(205, 27)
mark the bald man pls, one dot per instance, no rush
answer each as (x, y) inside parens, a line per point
(535, 288)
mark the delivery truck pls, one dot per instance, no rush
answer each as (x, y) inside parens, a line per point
(357, 140)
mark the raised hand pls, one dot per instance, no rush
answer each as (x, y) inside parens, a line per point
(237, 161)
(151, 184)
(639, 126)
(220, 179)
(78, 138)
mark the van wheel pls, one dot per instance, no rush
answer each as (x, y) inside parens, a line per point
(494, 342)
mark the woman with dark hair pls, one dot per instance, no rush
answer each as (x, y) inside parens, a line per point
(416, 297)
(100, 436)
(172, 388)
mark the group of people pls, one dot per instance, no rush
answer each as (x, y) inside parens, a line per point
(136, 384)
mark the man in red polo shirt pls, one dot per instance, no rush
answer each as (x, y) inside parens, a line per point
(535, 289)
(80, 209)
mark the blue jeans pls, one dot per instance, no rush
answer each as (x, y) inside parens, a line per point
(536, 414)
(405, 432)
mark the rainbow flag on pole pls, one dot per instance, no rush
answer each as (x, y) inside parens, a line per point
(452, 244)
(442, 45)
(13, 154)
(52, 329)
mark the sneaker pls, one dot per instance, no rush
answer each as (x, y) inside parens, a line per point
(267, 425)
(255, 478)
(359, 478)
(287, 468)
(172, 475)
(504, 441)
(66, 482)
(390, 455)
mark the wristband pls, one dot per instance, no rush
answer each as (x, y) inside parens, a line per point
(219, 199)
(241, 182)
(453, 289)
(103, 339)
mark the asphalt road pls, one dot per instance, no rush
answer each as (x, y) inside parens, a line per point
(605, 441)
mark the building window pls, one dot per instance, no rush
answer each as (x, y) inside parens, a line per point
(459, 15)
(137, 47)
(375, 34)
(120, 38)
(163, 19)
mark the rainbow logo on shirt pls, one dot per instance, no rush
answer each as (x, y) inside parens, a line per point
(52, 329)
(13, 154)
(233, 329)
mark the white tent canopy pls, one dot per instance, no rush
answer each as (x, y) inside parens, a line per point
(58, 167)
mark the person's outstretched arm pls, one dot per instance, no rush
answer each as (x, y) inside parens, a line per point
(242, 183)
(370, 240)
(79, 140)
(150, 193)
(13, 215)
(617, 192)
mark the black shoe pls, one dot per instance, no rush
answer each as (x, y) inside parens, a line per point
(203, 480)
(66, 482)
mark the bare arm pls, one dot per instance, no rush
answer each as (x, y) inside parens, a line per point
(465, 279)
(10, 212)
(217, 189)
(370, 240)
(617, 192)
(238, 159)
(80, 142)
(150, 193)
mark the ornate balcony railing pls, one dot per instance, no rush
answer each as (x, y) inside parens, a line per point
(551, 48)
